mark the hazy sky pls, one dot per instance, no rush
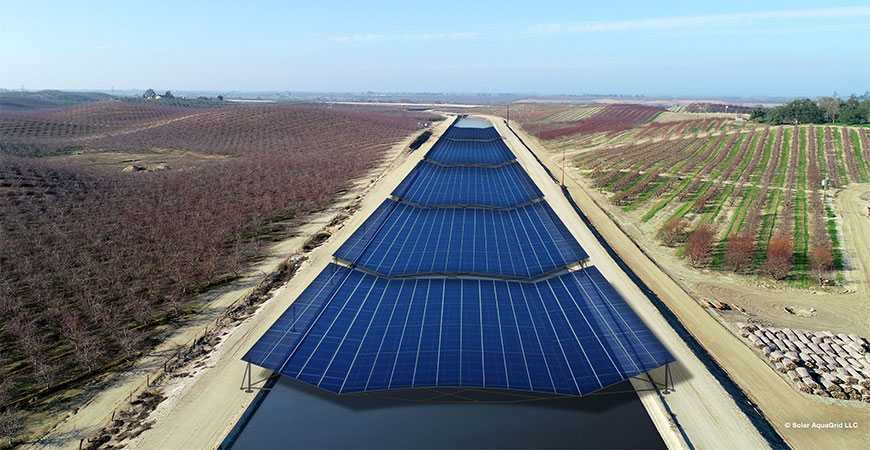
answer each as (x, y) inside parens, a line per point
(735, 47)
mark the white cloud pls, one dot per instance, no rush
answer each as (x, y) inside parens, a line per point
(707, 21)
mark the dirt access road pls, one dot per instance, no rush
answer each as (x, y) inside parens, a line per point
(853, 206)
(779, 402)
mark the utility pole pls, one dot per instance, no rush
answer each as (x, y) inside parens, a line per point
(509, 112)
(563, 166)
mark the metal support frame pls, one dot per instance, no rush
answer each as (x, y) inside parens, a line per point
(449, 395)
(669, 380)
(248, 375)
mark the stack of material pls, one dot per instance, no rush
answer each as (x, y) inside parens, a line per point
(817, 362)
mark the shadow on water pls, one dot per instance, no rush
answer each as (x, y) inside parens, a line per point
(297, 415)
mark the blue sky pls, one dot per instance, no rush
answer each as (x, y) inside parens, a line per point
(739, 48)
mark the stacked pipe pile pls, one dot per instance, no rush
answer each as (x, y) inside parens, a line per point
(818, 362)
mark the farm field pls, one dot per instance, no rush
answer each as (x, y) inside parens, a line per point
(117, 215)
(755, 191)
(745, 185)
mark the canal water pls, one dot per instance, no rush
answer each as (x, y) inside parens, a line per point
(297, 415)
(464, 122)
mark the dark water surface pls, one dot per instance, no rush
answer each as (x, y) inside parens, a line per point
(301, 416)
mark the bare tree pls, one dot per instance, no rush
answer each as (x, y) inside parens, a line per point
(700, 244)
(11, 423)
(739, 250)
(780, 254)
(821, 260)
(673, 231)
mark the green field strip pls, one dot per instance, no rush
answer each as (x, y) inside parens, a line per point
(747, 158)
(768, 219)
(645, 195)
(835, 240)
(740, 213)
(651, 120)
(801, 174)
(735, 147)
(720, 198)
(652, 212)
(610, 182)
(689, 177)
(573, 115)
(641, 178)
(719, 201)
(801, 240)
(765, 157)
(782, 163)
(859, 157)
(837, 148)
(688, 204)
(820, 152)
(710, 128)
(737, 218)
(655, 209)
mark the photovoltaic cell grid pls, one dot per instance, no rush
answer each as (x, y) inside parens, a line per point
(435, 185)
(472, 133)
(352, 332)
(400, 239)
(448, 152)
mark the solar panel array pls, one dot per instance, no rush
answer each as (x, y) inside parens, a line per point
(462, 279)
(447, 151)
(488, 133)
(351, 331)
(400, 239)
(503, 186)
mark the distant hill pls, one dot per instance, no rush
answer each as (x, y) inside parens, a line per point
(26, 101)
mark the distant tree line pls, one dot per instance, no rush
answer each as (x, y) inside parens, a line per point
(151, 95)
(853, 111)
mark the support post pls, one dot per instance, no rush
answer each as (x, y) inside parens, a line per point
(248, 374)
(667, 379)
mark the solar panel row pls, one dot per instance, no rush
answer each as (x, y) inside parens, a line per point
(447, 151)
(570, 334)
(402, 239)
(434, 185)
(487, 133)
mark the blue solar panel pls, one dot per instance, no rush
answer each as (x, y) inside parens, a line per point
(503, 186)
(394, 320)
(572, 334)
(487, 133)
(400, 239)
(447, 151)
